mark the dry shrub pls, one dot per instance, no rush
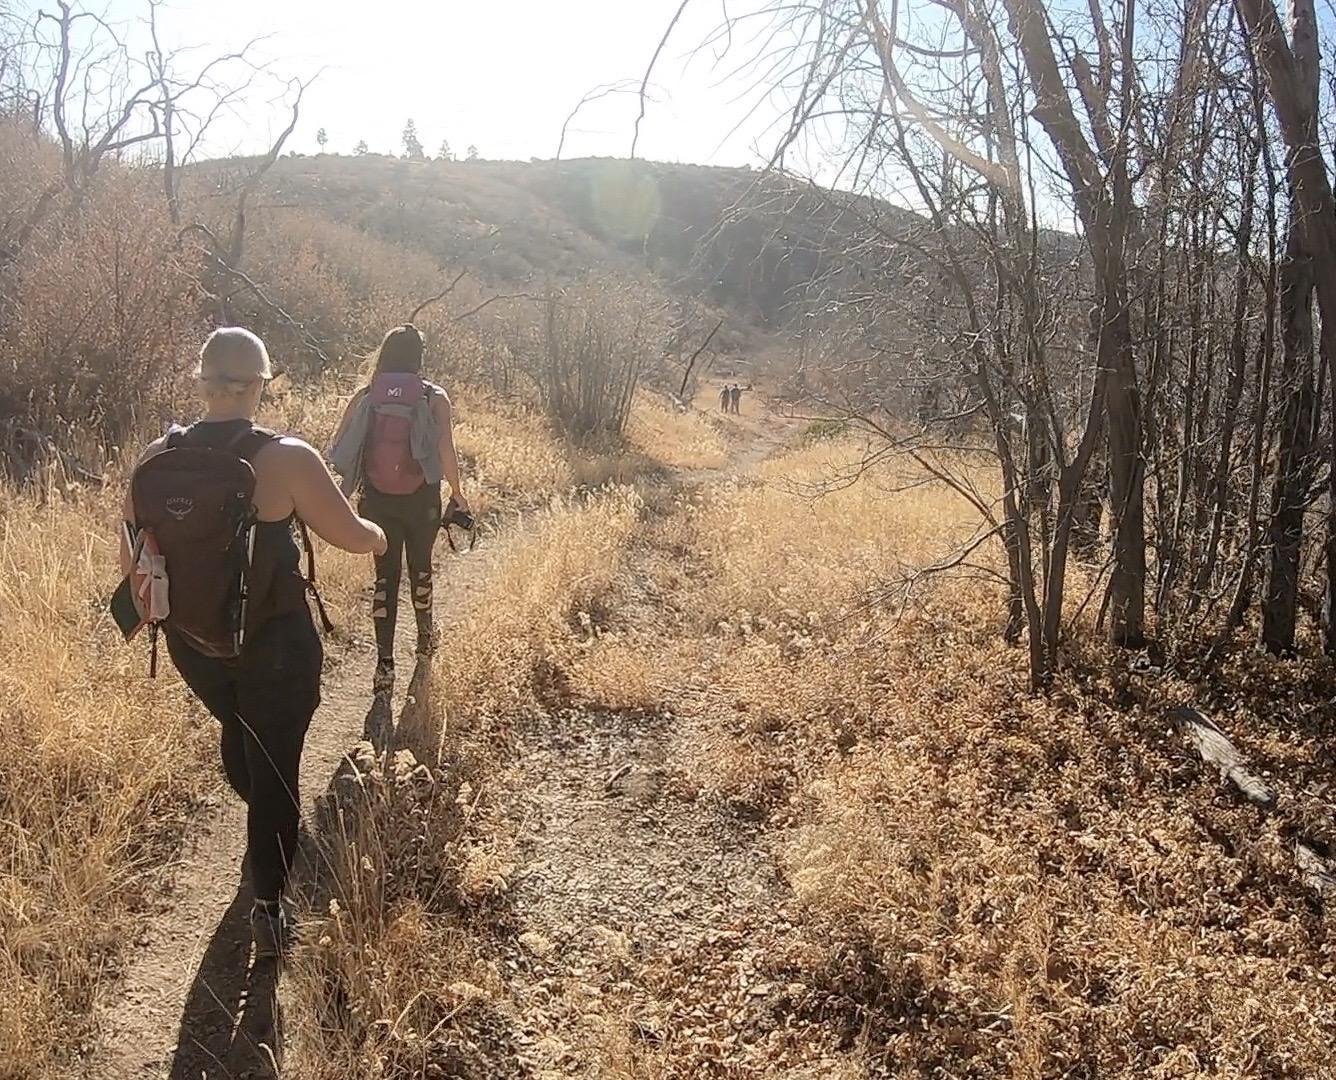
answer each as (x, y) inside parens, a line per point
(28, 164)
(345, 286)
(585, 350)
(99, 302)
(98, 767)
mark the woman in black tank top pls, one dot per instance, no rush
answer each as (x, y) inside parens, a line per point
(264, 697)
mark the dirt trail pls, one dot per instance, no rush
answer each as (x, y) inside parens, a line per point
(633, 901)
(643, 921)
(192, 1004)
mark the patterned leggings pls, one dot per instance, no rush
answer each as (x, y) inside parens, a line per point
(411, 523)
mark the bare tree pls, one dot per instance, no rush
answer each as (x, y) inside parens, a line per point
(1122, 351)
(1291, 68)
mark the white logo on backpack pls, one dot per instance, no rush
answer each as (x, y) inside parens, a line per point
(179, 506)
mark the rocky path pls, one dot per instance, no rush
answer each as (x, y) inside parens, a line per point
(646, 928)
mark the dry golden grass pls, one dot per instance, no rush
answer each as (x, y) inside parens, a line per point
(677, 440)
(98, 767)
(512, 452)
(992, 885)
(801, 548)
(514, 639)
(395, 978)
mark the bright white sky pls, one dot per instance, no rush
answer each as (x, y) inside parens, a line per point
(498, 74)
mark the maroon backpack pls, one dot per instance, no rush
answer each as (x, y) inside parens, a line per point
(388, 462)
(198, 504)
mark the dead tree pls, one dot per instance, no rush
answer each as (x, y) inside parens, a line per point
(1103, 199)
(1290, 68)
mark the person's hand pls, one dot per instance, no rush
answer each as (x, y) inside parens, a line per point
(458, 499)
(381, 544)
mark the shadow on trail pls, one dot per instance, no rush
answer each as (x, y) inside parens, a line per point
(231, 1024)
(379, 723)
(416, 729)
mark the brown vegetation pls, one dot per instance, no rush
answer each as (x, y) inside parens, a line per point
(784, 654)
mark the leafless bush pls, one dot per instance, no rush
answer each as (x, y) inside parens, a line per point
(98, 308)
(585, 351)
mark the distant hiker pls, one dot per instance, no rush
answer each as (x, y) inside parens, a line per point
(736, 395)
(396, 442)
(218, 500)
(725, 397)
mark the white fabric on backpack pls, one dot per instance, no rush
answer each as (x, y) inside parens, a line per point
(152, 601)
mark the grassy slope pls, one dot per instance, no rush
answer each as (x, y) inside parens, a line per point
(515, 225)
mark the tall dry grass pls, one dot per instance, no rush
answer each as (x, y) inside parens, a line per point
(990, 884)
(391, 982)
(99, 768)
(675, 439)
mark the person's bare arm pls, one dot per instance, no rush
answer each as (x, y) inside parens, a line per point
(128, 506)
(449, 457)
(319, 502)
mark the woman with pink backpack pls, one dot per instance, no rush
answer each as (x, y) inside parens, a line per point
(396, 443)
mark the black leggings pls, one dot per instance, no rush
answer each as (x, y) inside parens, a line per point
(264, 701)
(411, 523)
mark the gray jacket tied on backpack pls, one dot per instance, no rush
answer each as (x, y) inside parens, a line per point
(347, 454)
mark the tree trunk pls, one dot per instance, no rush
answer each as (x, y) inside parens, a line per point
(1294, 462)
(1127, 584)
(1104, 203)
(1293, 78)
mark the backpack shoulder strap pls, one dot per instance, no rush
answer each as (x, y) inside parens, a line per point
(325, 624)
(250, 442)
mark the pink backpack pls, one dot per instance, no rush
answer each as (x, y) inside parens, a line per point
(388, 462)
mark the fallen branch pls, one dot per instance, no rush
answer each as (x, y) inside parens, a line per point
(1215, 749)
(692, 362)
(437, 298)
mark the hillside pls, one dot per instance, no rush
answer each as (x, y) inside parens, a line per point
(764, 250)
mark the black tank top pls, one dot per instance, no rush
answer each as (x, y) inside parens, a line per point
(275, 580)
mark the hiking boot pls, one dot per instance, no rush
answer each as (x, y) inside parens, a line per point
(382, 682)
(271, 929)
